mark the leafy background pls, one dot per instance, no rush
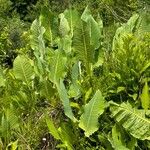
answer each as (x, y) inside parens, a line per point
(76, 77)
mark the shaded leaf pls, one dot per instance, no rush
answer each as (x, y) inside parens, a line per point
(65, 100)
(64, 25)
(118, 139)
(50, 23)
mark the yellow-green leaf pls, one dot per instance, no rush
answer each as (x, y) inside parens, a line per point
(23, 69)
(92, 110)
(52, 129)
(145, 97)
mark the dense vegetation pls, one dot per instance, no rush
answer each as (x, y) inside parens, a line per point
(74, 78)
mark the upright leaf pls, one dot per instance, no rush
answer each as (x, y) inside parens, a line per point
(74, 89)
(38, 45)
(95, 33)
(9, 123)
(68, 21)
(86, 39)
(36, 39)
(94, 27)
(57, 66)
(65, 100)
(52, 129)
(64, 28)
(145, 97)
(64, 25)
(92, 110)
(50, 23)
(67, 136)
(73, 17)
(81, 44)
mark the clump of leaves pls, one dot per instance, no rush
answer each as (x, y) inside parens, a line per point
(61, 74)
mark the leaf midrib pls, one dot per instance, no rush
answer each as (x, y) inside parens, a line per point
(90, 113)
(135, 114)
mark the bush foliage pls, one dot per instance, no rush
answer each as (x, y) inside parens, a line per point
(73, 78)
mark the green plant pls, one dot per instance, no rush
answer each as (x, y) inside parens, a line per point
(74, 92)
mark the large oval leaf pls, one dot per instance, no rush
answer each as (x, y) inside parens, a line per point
(92, 110)
(23, 69)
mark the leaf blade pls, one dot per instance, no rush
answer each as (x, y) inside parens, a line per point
(65, 100)
(23, 69)
(89, 119)
(133, 120)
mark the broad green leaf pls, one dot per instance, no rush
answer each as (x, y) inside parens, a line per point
(68, 21)
(144, 23)
(86, 39)
(74, 89)
(86, 14)
(49, 22)
(92, 110)
(64, 25)
(38, 45)
(145, 97)
(36, 39)
(95, 33)
(132, 23)
(81, 44)
(46, 89)
(65, 100)
(132, 119)
(94, 28)
(23, 69)
(72, 17)
(65, 44)
(52, 129)
(57, 66)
